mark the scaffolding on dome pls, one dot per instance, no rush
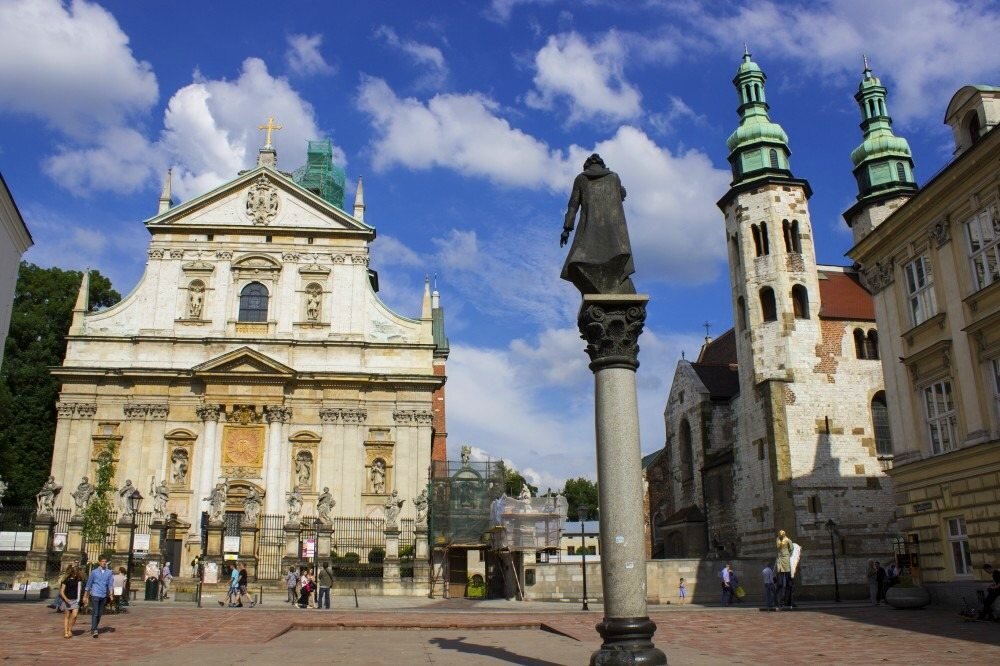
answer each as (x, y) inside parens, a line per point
(528, 523)
(320, 175)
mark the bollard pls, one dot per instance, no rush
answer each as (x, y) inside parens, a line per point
(261, 600)
(25, 590)
(356, 598)
(198, 592)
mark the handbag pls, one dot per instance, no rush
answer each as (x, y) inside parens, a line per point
(740, 592)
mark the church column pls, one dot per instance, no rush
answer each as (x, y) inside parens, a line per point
(422, 448)
(135, 434)
(205, 472)
(276, 416)
(332, 455)
(154, 446)
(355, 482)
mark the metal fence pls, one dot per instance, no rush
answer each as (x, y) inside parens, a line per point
(270, 547)
(15, 542)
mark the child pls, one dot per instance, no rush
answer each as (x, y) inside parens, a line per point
(682, 591)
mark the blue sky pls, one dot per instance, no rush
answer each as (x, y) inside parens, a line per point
(468, 121)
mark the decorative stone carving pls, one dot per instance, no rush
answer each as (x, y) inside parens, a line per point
(134, 411)
(327, 415)
(46, 497)
(179, 465)
(360, 259)
(251, 508)
(160, 495)
(303, 469)
(354, 415)
(262, 201)
(196, 299)
(155, 411)
(208, 412)
(225, 255)
(290, 256)
(123, 494)
(339, 258)
(243, 414)
(86, 410)
(392, 506)
(82, 495)
(155, 254)
(412, 416)
(314, 269)
(294, 506)
(940, 232)
(65, 409)
(420, 502)
(177, 254)
(314, 294)
(377, 476)
(611, 326)
(324, 507)
(198, 266)
(217, 502)
(878, 277)
(466, 454)
(277, 414)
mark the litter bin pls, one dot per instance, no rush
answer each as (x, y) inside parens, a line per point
(152, 589)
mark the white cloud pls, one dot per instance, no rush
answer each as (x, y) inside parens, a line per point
(500, 10)
(674, 225)
(303, 56)
(390, 251)
(589, 77)
(666, 123)
(423, 55)
(925, 50)
(122, 162)
(70, 65)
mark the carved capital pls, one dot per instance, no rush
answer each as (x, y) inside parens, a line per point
(155, 254)
(939, 232)
(338, 258)
(134, 411)
(226, 255)
(85, 410)
(360, 259)
(157, 412)
(290, 256)
(877, 277)
(412, 417)
(327, 415)
(277, 414)
(65, 410)
(177, 254)
(611, 325)
(354, 415)
(208, 412)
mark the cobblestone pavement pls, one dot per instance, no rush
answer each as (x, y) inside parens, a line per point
(405, 630)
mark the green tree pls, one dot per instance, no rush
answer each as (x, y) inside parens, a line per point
(98, 517)
(581, 492)
(513, 482)
(40, 319)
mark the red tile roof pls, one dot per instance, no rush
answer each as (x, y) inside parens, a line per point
(843, 297)
(720, 351)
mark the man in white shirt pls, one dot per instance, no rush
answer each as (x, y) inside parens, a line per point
(770, 589)
(727, 585)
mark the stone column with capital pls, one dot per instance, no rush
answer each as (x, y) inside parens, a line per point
(391, 583)
(209, 415)
(611, 325)
(276, 416)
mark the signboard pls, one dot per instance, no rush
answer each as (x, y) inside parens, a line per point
(309, 548)
(15, 541)
(231, 557)
(141, 543)
(59, 541)
(231, 544)
(923, 506)
(211, 573)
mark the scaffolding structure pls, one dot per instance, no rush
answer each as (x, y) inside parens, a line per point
(528, 523)
(320, 175)
(461, 497)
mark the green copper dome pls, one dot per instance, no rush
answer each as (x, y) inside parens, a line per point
(754, 130)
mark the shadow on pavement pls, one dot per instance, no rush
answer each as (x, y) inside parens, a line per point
(934, 621)
(503, 654)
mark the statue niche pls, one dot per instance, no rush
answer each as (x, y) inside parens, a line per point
(314, 302)
(196, 299)
(303, 469)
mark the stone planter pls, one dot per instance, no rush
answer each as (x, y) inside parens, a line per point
(907, 597)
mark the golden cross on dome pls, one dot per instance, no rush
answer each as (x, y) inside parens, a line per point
(269, 127)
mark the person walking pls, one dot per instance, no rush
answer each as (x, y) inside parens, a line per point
(305, 590)
(770, 589)
(727, 585)
(69, 593)
(100, 591)
(165, 579)
(242, 583)
(325, 583)
(59, 605)
(234, 587)
(682, 590)
(119, 588)
(872, 575)
(291, 580)
(783, 566)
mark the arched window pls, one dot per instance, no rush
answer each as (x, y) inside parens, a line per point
(746, 93)
(881, 107)
(735, 246)
(767, 304)
(786, 231)
(774, 158)
(859, 344)
(871, 108)
(900, 171)
(687, 450)
(763, 238)
(800, 302)
(871, 345)
(741, 308)
(757, 245)
(974, 127)
(253, 303)
(796, 239)
(880, 425)
(756, 92)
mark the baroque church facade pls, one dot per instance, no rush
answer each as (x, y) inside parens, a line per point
(255, 356)
(781, 422)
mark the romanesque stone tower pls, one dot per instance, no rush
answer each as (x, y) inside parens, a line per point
(883, 165)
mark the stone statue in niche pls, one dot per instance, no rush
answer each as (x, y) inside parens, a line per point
(392, 506)
(196, 300)
(251, 508)
(314, 295)
(420, 503)
(217, 502)
(160, 496)
(378, 476)
(82, 495)
(324, 506)
(466, 454)
(294, 506)
(303, 469)
(179, 465)
(123, 494)
(46, 497)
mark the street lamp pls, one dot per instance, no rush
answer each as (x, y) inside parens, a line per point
(581, 512)
(832, 526)
(134, 500)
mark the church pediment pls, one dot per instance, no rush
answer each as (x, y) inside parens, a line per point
(244, 362)
(261, 198)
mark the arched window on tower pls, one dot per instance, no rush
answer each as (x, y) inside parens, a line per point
(800, 302)
(741, 308)
(687, 450)
(746, 93)
(756, 92)
(786, 232)
(871, 108)
(774, 158)
(871, 345)
(881, 107)
(796, 239)
(900, 171)
(859, 344)
(768, 307)
(974, 127)
(880, 425)
(763, 238)
(253, 303)
(734, 245)
(757, 246)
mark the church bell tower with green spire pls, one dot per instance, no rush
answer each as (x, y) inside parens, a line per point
(883, 164)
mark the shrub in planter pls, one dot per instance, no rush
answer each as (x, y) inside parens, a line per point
(476, 587)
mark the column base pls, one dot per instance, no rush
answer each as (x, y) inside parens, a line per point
(627, 640)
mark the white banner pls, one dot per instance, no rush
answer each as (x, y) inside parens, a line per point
(141, 543)
(231, 544)
(19, 541)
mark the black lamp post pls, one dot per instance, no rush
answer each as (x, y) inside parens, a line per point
(832, 526)
(581, 512)
(317, 524)
(134, 500)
